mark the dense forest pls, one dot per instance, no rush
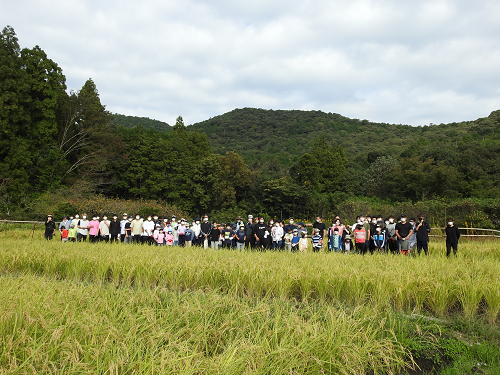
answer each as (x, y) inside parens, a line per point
(65, 144)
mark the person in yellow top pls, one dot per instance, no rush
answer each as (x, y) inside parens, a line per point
(136, 228)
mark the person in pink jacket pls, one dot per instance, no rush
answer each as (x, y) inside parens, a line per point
(93, 229)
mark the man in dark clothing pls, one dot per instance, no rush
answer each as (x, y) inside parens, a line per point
(290, 226)
(249, 238)
(422, 229)
(261, 234)
(403, 232)
(114, 229)
(50, 228)
(452, 237)
(206, 228)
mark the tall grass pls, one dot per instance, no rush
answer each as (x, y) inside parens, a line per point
(466, 284)
(49, 326)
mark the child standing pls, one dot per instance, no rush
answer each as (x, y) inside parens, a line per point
(303, 242)
(240, 238)
(316, 240)
(288, 239)
(295, 240)
(379, 238)
(73, 230)
(64, 234)
(160, 237)
(169, 238)
(347, 244)
(335, 241)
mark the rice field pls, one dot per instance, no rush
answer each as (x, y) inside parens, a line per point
(103, 308)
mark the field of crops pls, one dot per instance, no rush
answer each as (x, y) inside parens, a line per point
(101, 308)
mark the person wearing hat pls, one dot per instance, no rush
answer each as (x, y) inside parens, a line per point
(50, 228)
(249, 235)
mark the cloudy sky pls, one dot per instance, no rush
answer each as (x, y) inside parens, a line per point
(395, 61)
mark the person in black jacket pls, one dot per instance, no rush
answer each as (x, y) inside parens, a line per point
(206, 228)
(50, 228)
(422, 229)
(114, 229)
(452, 237)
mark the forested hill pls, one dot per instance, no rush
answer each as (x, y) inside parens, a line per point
(146, 122)
(262, 135)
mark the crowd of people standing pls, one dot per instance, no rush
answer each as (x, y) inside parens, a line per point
(367, 235)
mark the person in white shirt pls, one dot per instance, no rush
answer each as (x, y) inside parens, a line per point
(277, 235)
(148, 228)
(122, 226)
(83, 228)
(196, 228)
(104, 229)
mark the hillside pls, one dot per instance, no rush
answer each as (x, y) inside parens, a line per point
(260, 135)
(146, 122)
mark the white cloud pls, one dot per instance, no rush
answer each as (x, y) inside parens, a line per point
(383, 60)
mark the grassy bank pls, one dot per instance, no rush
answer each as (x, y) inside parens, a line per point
(101, 308)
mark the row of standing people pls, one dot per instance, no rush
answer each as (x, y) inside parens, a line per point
(369, 233)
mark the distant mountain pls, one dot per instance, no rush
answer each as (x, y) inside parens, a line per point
(262, 135)
(146, 122)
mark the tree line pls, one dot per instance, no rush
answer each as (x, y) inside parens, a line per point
(275, 163)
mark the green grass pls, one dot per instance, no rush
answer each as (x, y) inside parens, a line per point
(101, 308)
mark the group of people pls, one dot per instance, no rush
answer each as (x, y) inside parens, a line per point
(368, 234)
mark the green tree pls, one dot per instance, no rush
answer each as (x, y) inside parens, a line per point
(322, 169)
(31, 86)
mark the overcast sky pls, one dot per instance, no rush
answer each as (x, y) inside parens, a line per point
(395, 61)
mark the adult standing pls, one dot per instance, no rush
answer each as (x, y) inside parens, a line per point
(94, 229)
(249, 237)
(452, 237)
(123, 222)
(277, 236)
(262, 234)
(50, 228)
(206, 229)
(64, 224)
(290, 226)
(104, 229)
(422, 229)
(148, 228)
(136, 229)
(321, 228)
(83, 228)
(114, 229)
(403, 231)
(391, 235)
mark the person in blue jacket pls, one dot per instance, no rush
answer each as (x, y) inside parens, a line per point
(379, 238)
